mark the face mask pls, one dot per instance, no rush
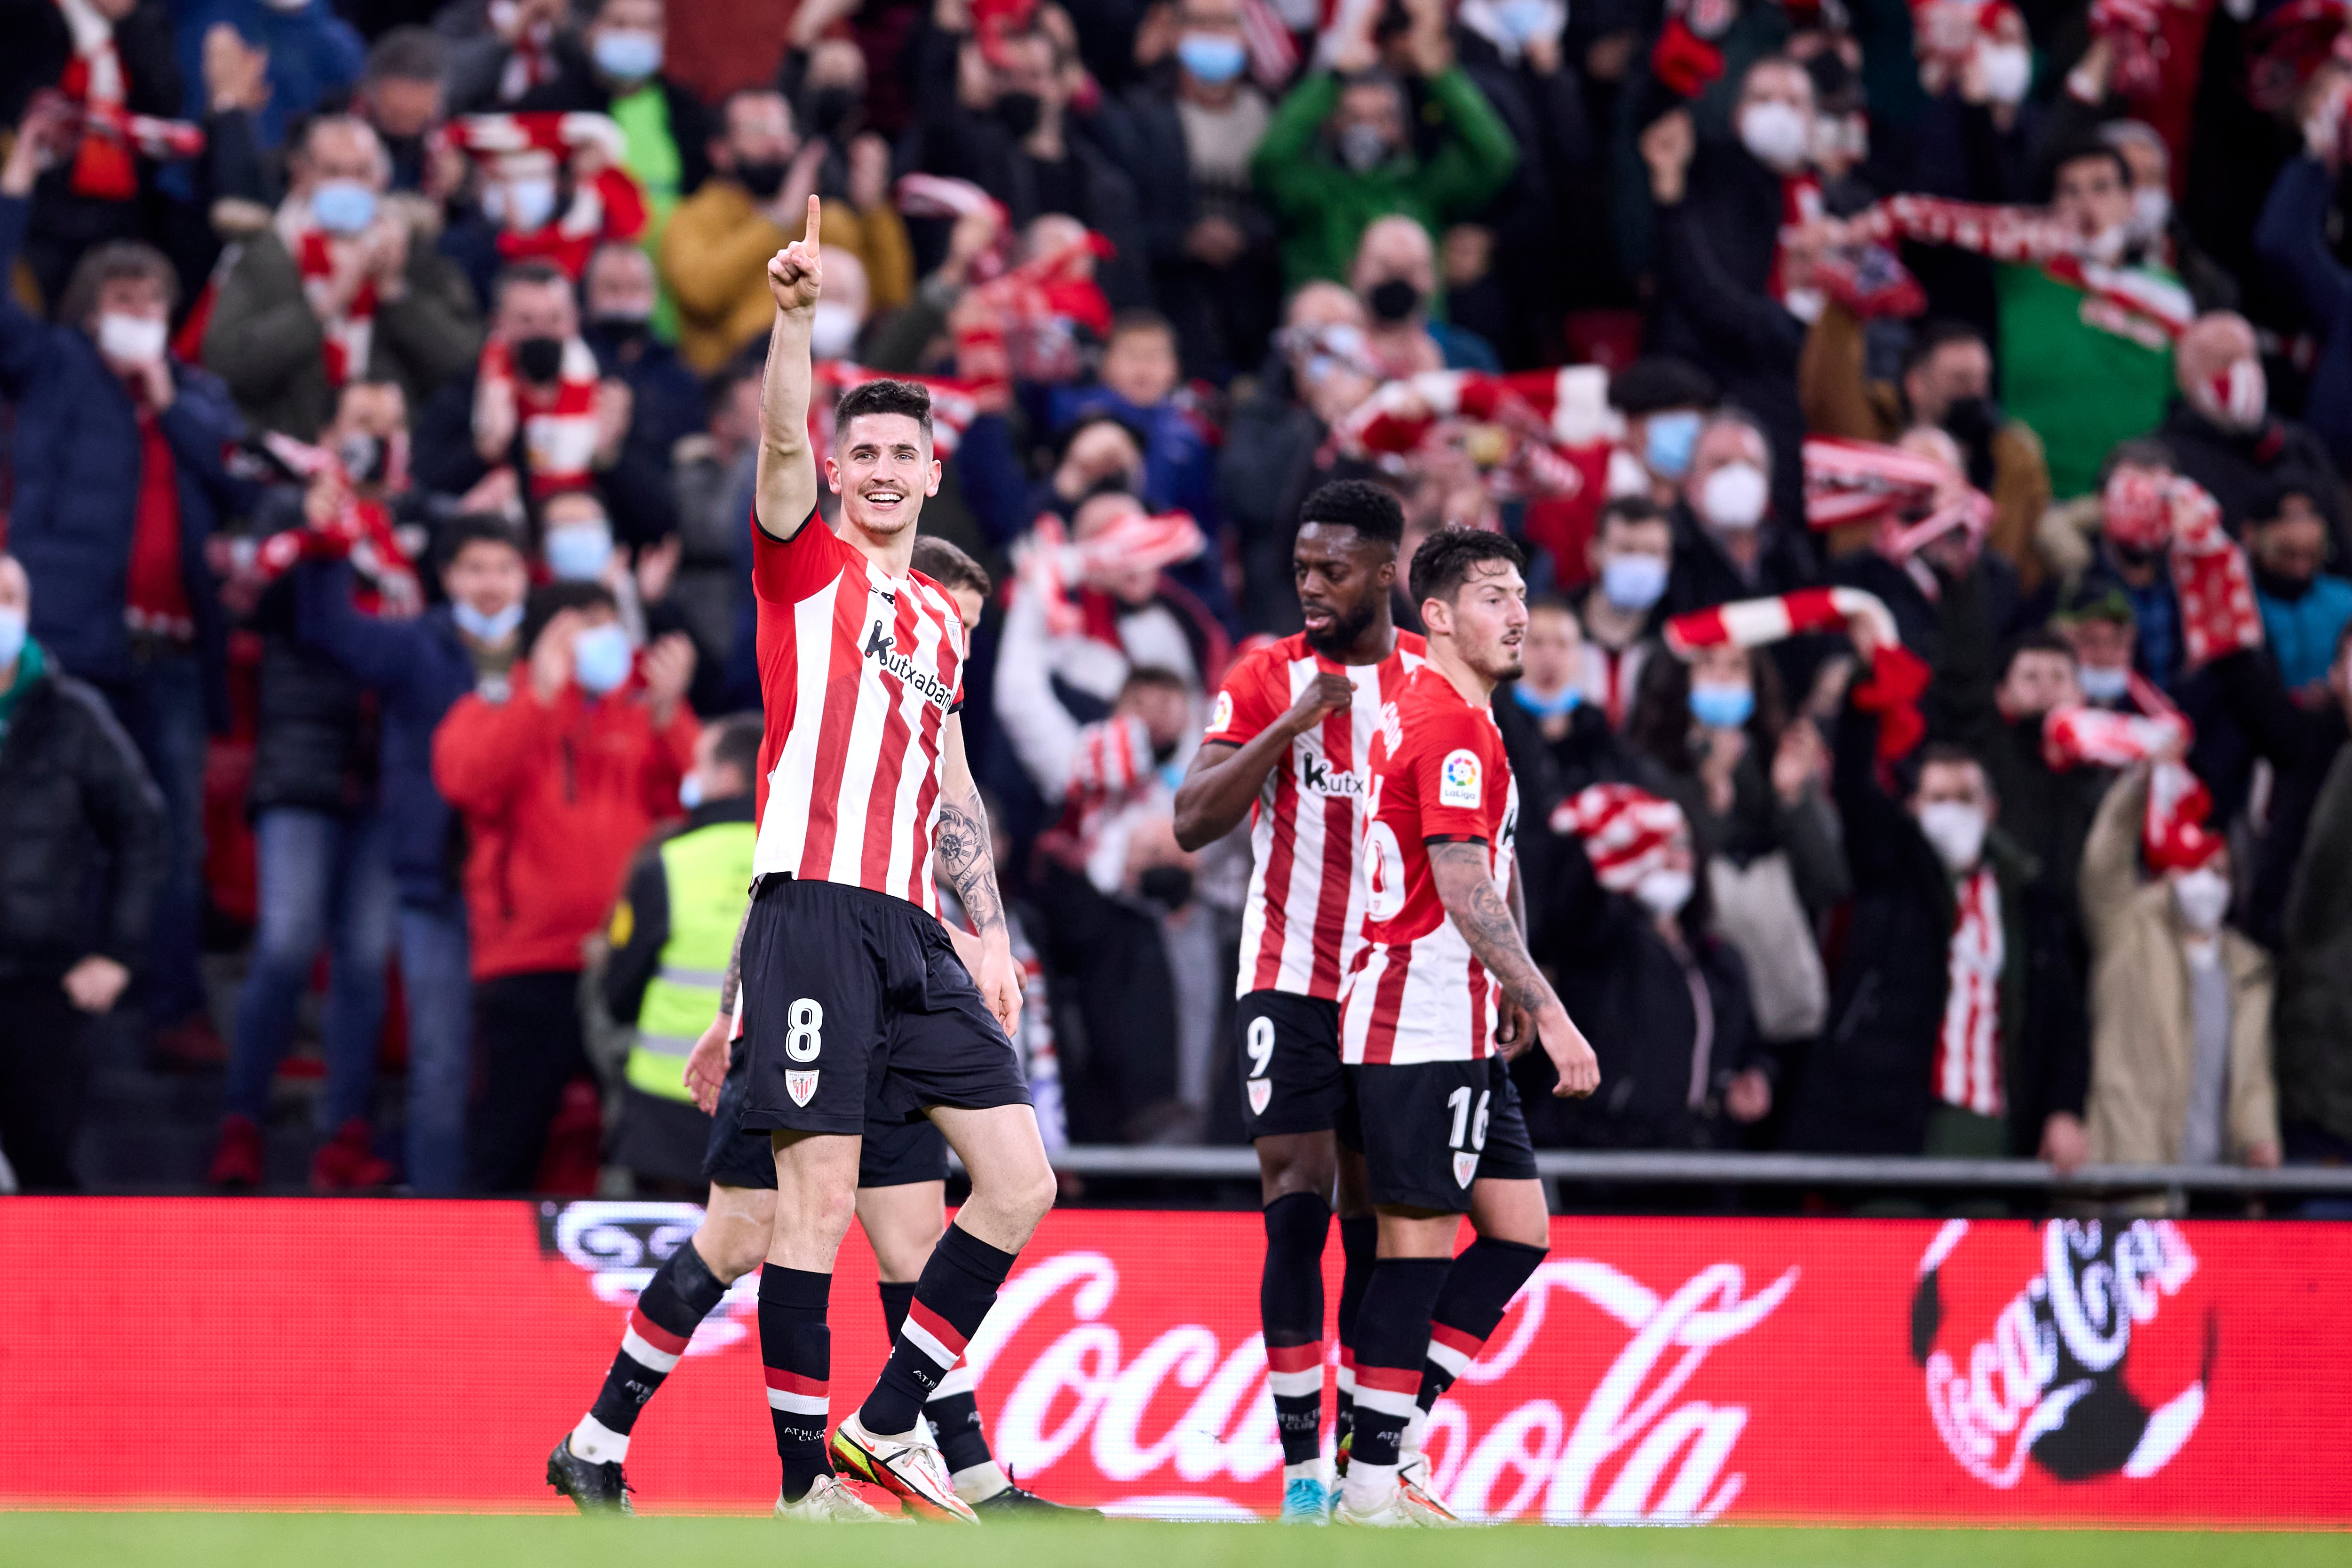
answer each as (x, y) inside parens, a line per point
(2237, 398)
(1363, 148)
(12, 636)
(690, 791)
(600, 658)
(1777, 133)
(1663, 892)
(1633, 581)
(628, 56)
(1523, 19)
(1019, 111)
(1556, 707)
(1735, 496)
(579, 552)
(621, 328)
(492, 628)
(1722, 707)
(361, 456)
(342, 206)
(131, 339)
(2104, 683)
(1393, 300)
(538, 360)
(828, 108)
(526, 205)
(2202, 897)
(2008, 71)
(1955, 830)
(1210, 57)
(2151, 212)
(1666, 443)
(833, 330)
(764, 177)
(1971, 421)
(2108, 245)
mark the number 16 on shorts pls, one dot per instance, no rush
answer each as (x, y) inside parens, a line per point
(1468, 1139)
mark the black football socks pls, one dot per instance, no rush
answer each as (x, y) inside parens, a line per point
(1291, 1307)
(681, 1293)
(796, 1349)
(954, 1411)
(959, 1284)
(1391, 1345)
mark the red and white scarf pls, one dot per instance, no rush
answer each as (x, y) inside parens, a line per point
(1849, 482)
(1627, 832)
(1896, 679)
(1023, 326)
(359, 532)
(2172, 830)
(559, 423)
(104, 167)
(1064, 574)
(2210, 573)
(2131, 302)
(605, 205)
(1800, 204)
(349, 331)
(1968, 1044)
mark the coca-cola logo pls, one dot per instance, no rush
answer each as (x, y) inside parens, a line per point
(2049, 1381)
(1182, 1417)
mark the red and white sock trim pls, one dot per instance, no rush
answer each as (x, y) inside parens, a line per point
(1391, 1391)
(795, 1394)
(1295, 1372)
(1451, 1349)
(650, 1345)
(1346, 1378)
(933, 1335)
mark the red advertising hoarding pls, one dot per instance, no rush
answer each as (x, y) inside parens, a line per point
(289, 1352)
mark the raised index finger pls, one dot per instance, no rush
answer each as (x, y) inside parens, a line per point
(816, 212)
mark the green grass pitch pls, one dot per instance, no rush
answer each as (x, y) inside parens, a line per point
(430, 1540)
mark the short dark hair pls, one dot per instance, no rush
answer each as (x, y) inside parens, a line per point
(2039, 640)
(2270, 498)
(527, 275)
(885, 396)
(408, 54)
(1149, 677)
(2138, 452)
(1934, 337)
(723, 112)
(2083, 149)
(113, 262)
(1086, 421)
(1630, 512)
(1371, 510)
(749, 365)
(1444, 560)
(1140, 318)
(949, 566)
(546, 604)
(1659, 381)
(471, 528)
(736, 744)
(1950, 754)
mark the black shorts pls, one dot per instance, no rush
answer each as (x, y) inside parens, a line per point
(1428, 1130)
(896, 1151)
(851, 997)
(1289, 1058)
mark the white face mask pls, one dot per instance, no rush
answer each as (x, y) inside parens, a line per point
(2202, 896)
(2107, 246)
(2237, 398)
(1777, 133)
(523, 205)
(131, 339)
(1663, 892)
(2104, 683)
(833, 330)
(2151, 211)
(1734, 496)
(2007, 70)
(1955, 830)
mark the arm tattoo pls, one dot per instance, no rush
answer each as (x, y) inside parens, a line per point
(730, 986)
(961, 843)
(1468, 890)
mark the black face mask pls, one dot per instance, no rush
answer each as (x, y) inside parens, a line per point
(764, 177)
(2133, 556)
(363, 456)
(1167, 886)
(1971, 421)
(1019, 111)
(829, 109)
(1394, 300)
(2278, 587)
(538, 359)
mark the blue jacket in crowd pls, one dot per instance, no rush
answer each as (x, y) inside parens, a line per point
(2291, 239)
(2302, 631)
(418, 669)
(314, 55)
(77, 454)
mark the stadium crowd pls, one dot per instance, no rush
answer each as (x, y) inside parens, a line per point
(381, 385)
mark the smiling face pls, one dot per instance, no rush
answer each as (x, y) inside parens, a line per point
(882, 468)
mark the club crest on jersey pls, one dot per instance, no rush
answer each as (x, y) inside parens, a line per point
(1466, 1165)
(1221, 717)
(1457, 780)
(801, 1086)
(1261, 1094)
(882, 646)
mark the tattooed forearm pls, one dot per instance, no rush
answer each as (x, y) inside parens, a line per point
(963, 846)
(1468, 890)
(733, 983)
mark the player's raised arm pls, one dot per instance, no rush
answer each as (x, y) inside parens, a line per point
(1466, 886)
(787, 481)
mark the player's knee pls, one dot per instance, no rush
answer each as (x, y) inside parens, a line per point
(732, 1250)
(1028, 1199)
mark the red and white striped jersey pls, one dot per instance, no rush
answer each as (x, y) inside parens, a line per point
(859, 671)
(1438, 771)
(1968, 1047)
(1305, 916)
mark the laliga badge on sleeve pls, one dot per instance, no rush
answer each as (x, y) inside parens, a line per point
(1458, 781)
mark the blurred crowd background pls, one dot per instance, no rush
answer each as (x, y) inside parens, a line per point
(378, 713)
